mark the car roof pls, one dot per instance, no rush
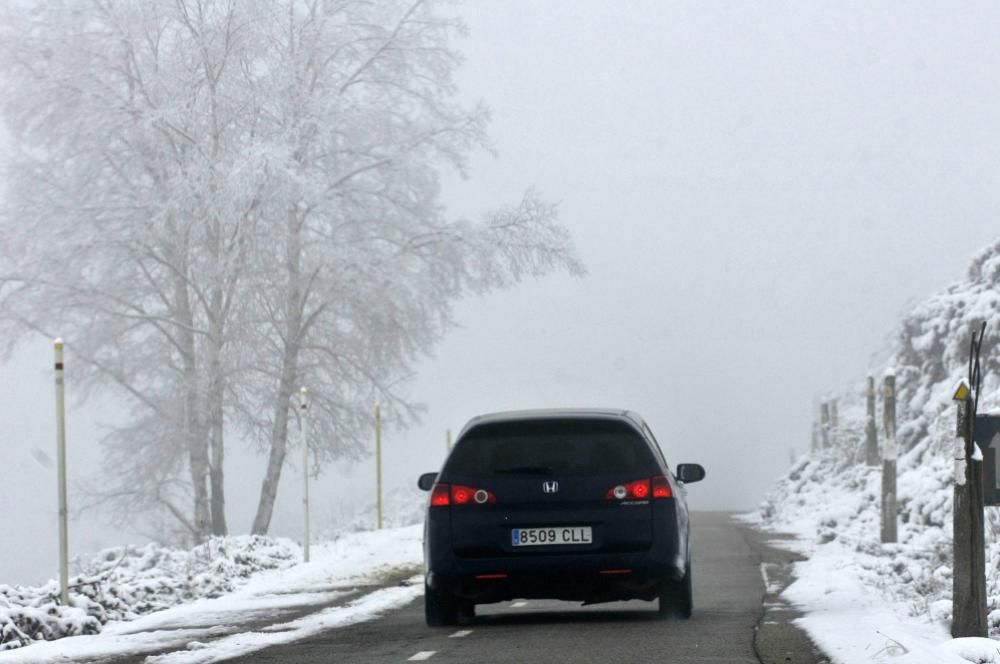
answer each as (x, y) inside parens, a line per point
(556, 414)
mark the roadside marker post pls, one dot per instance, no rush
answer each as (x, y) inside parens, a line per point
(969, 565)
(889, 455)
(871, 431)
(824, 423)
(834, 423)
(304, 434)
(378, 467)
(61, 454)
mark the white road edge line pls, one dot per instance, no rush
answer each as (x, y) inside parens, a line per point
(460, 633)
(422, 655)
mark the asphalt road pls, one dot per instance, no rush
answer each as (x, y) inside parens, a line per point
(735, 621)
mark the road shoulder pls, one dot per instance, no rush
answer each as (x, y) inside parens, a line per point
(777, 640)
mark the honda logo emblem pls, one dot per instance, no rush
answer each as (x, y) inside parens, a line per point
(550, 487)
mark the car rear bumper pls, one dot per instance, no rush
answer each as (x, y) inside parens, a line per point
(591, 577)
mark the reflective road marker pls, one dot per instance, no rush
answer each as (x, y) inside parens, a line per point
(460, 633)
(518, 605)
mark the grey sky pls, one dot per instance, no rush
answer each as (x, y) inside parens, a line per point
(758, 190)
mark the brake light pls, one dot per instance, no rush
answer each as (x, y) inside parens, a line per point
(637, 490)
(661, 487)
(440, 496)
(658, 487)
(467, 495)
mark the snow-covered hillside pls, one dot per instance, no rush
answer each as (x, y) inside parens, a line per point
(831, 500)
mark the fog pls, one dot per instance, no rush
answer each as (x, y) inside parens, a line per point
(757, 190)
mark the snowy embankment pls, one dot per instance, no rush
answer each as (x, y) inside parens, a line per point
(865, 601)
(225, 597)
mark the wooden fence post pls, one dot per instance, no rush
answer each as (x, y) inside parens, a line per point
(871, 431)
(824, 423)
(969, 565)
(889, 455)
(834, 423)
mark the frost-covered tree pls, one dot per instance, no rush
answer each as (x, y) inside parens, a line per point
(130, 208)
(218, 202)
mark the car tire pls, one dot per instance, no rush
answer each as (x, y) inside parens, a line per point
(466, 610)
(685, 594)
(676, 597)
(440, 608)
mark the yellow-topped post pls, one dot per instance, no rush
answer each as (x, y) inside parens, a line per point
(61, 455)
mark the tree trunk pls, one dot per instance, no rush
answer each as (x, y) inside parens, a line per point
(194, 433)
(216, 414)
(289, 370)
(216, 443)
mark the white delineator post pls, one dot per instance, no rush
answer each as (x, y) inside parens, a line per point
(304, 433)
(61, 454)
(378, 467)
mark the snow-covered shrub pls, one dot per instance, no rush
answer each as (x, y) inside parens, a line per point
(124, 583)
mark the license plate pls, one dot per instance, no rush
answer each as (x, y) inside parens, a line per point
(551, 535)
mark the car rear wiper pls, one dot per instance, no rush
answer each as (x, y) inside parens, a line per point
(524, 470)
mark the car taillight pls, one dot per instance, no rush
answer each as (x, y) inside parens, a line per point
(440, 496)
(637, 490)
(658, 487)
(467, 495)
(661, 487)
(443, 495)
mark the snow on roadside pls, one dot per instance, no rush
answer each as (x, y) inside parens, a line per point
(125, 583)
(258, 613)
(367, 607)
(865, 601)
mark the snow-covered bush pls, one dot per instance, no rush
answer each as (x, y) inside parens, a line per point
(124, 583)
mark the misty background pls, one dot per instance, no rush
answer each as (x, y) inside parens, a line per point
(758, 192)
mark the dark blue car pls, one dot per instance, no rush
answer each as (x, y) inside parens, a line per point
(575, 505)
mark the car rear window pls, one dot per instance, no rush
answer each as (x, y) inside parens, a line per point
(550, 447)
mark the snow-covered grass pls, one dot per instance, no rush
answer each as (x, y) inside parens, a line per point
(145, 599)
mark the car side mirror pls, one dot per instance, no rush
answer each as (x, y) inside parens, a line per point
(427, 480)
(690, 472)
